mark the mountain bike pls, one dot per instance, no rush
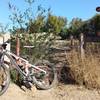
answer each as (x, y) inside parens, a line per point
(42, 74)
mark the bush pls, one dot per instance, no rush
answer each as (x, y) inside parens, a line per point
(16, 77)
(85, 72)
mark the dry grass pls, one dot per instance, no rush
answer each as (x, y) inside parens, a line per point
(87, 71)
(81, 71)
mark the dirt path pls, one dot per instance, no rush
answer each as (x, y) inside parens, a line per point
(62, 92)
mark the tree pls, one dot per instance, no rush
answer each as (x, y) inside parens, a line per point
(91, 26)
(54, 23)
(96, 23)
(75, 25)
(36, 25)
(25, 25)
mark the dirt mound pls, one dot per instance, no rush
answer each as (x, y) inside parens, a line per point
(15, 93)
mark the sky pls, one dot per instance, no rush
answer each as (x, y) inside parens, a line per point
(83, 9)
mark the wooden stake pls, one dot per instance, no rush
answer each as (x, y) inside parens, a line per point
(82, 52)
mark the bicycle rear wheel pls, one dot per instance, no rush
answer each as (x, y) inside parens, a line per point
(4, 79)
(45, 81)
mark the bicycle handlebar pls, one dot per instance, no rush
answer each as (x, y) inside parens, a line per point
(5, 44)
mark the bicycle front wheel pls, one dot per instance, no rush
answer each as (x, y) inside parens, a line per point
(45, 81)
(4, 79)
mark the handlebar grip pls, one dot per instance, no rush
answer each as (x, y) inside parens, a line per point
(4, 45)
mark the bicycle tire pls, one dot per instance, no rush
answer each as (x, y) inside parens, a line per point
(3, 87)
(41, 85)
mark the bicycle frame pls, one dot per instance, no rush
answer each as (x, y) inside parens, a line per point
(13, 62)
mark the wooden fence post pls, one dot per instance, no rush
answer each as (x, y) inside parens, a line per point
(72, 41)
(82, 51)
(17, 53)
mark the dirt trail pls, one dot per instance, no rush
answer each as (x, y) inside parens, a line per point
(62, 92)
